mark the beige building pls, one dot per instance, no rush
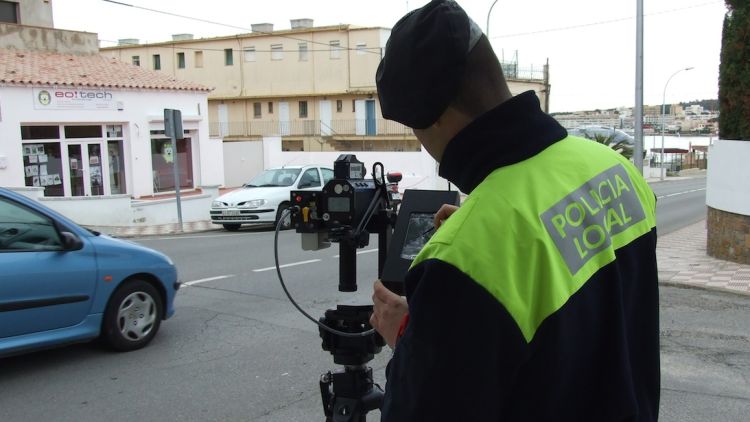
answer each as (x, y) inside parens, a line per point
(313, 86)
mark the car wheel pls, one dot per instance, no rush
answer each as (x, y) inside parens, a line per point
(287, 223)
(132, 317)
(232, 227)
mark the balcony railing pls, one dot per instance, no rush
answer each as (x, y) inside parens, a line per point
(350, 127)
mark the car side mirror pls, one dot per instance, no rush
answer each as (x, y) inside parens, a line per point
(70, 241)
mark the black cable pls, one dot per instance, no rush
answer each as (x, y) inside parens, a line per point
(288, 295)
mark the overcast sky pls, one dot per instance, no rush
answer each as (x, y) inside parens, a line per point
(590, 44)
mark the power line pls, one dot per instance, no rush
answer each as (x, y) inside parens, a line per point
(227, 25)
(605, 22)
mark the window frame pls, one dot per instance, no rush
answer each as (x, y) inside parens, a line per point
(248, 54)
(335, 53)
(277, 52)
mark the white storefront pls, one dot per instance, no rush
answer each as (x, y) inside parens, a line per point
(92, 152)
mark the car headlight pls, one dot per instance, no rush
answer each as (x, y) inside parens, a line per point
(217, 204)
(255, 203)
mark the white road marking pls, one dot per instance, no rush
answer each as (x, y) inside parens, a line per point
(286, 265)
(360, 252)
(680, 193)
(203, 280)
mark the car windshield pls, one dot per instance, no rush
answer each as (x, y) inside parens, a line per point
(274, 177)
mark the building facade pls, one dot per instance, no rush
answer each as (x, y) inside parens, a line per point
(313, 86)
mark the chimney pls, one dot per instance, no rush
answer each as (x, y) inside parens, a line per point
(128, 41)
(182, 37)
(262, 27)
(301, 23)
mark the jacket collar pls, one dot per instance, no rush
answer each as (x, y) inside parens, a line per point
(510, 133)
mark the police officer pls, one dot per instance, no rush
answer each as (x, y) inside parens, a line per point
(537, 299)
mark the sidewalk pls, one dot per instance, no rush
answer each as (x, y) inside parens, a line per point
(682, 260)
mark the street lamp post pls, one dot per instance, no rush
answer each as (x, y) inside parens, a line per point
(663, 107)
(487, 29)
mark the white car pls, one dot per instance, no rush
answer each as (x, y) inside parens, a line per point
(266, 196)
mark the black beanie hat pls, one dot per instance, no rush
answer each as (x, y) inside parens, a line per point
(424, 62)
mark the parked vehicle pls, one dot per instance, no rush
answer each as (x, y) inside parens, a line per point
(61, 283)
(264, 198)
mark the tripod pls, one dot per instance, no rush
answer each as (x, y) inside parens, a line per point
(349, 394)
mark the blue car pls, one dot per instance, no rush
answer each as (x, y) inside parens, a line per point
(61, 283)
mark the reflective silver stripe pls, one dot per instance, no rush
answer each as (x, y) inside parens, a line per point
(582, 223)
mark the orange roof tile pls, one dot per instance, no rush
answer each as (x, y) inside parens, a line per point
(48, 68)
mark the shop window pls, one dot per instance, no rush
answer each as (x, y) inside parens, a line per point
(114, 131)
(303, 109)
(40, 132)
(162, 164)
(74, 132)
(180, 60)
(43, 167)
(116, 168)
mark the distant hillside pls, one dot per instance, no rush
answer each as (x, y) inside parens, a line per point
(712, 105)
(708, 105)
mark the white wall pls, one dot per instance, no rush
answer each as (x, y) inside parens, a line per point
(142, 111)
(419, 169)
(728, 177)
(242, 161)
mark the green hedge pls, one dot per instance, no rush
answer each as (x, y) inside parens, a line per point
(734, 72)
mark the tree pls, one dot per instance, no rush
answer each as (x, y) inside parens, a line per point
(734, 72)
(622, 146)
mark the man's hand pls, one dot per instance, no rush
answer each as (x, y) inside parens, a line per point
(388, 311)
(443, 213)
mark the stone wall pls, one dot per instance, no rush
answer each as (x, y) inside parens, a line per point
(728, 236)
(22, 37)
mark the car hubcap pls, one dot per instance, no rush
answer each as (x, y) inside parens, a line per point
(136, 316)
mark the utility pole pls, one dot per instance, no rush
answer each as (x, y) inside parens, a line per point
(638, 111)
(173, 129)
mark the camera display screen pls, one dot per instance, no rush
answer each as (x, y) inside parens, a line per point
(418, 232)
(338, 204)
(356, 171)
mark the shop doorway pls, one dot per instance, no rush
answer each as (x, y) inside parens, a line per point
(85, 164)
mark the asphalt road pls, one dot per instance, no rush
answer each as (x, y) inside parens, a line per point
(237, 350)
(680, 202)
